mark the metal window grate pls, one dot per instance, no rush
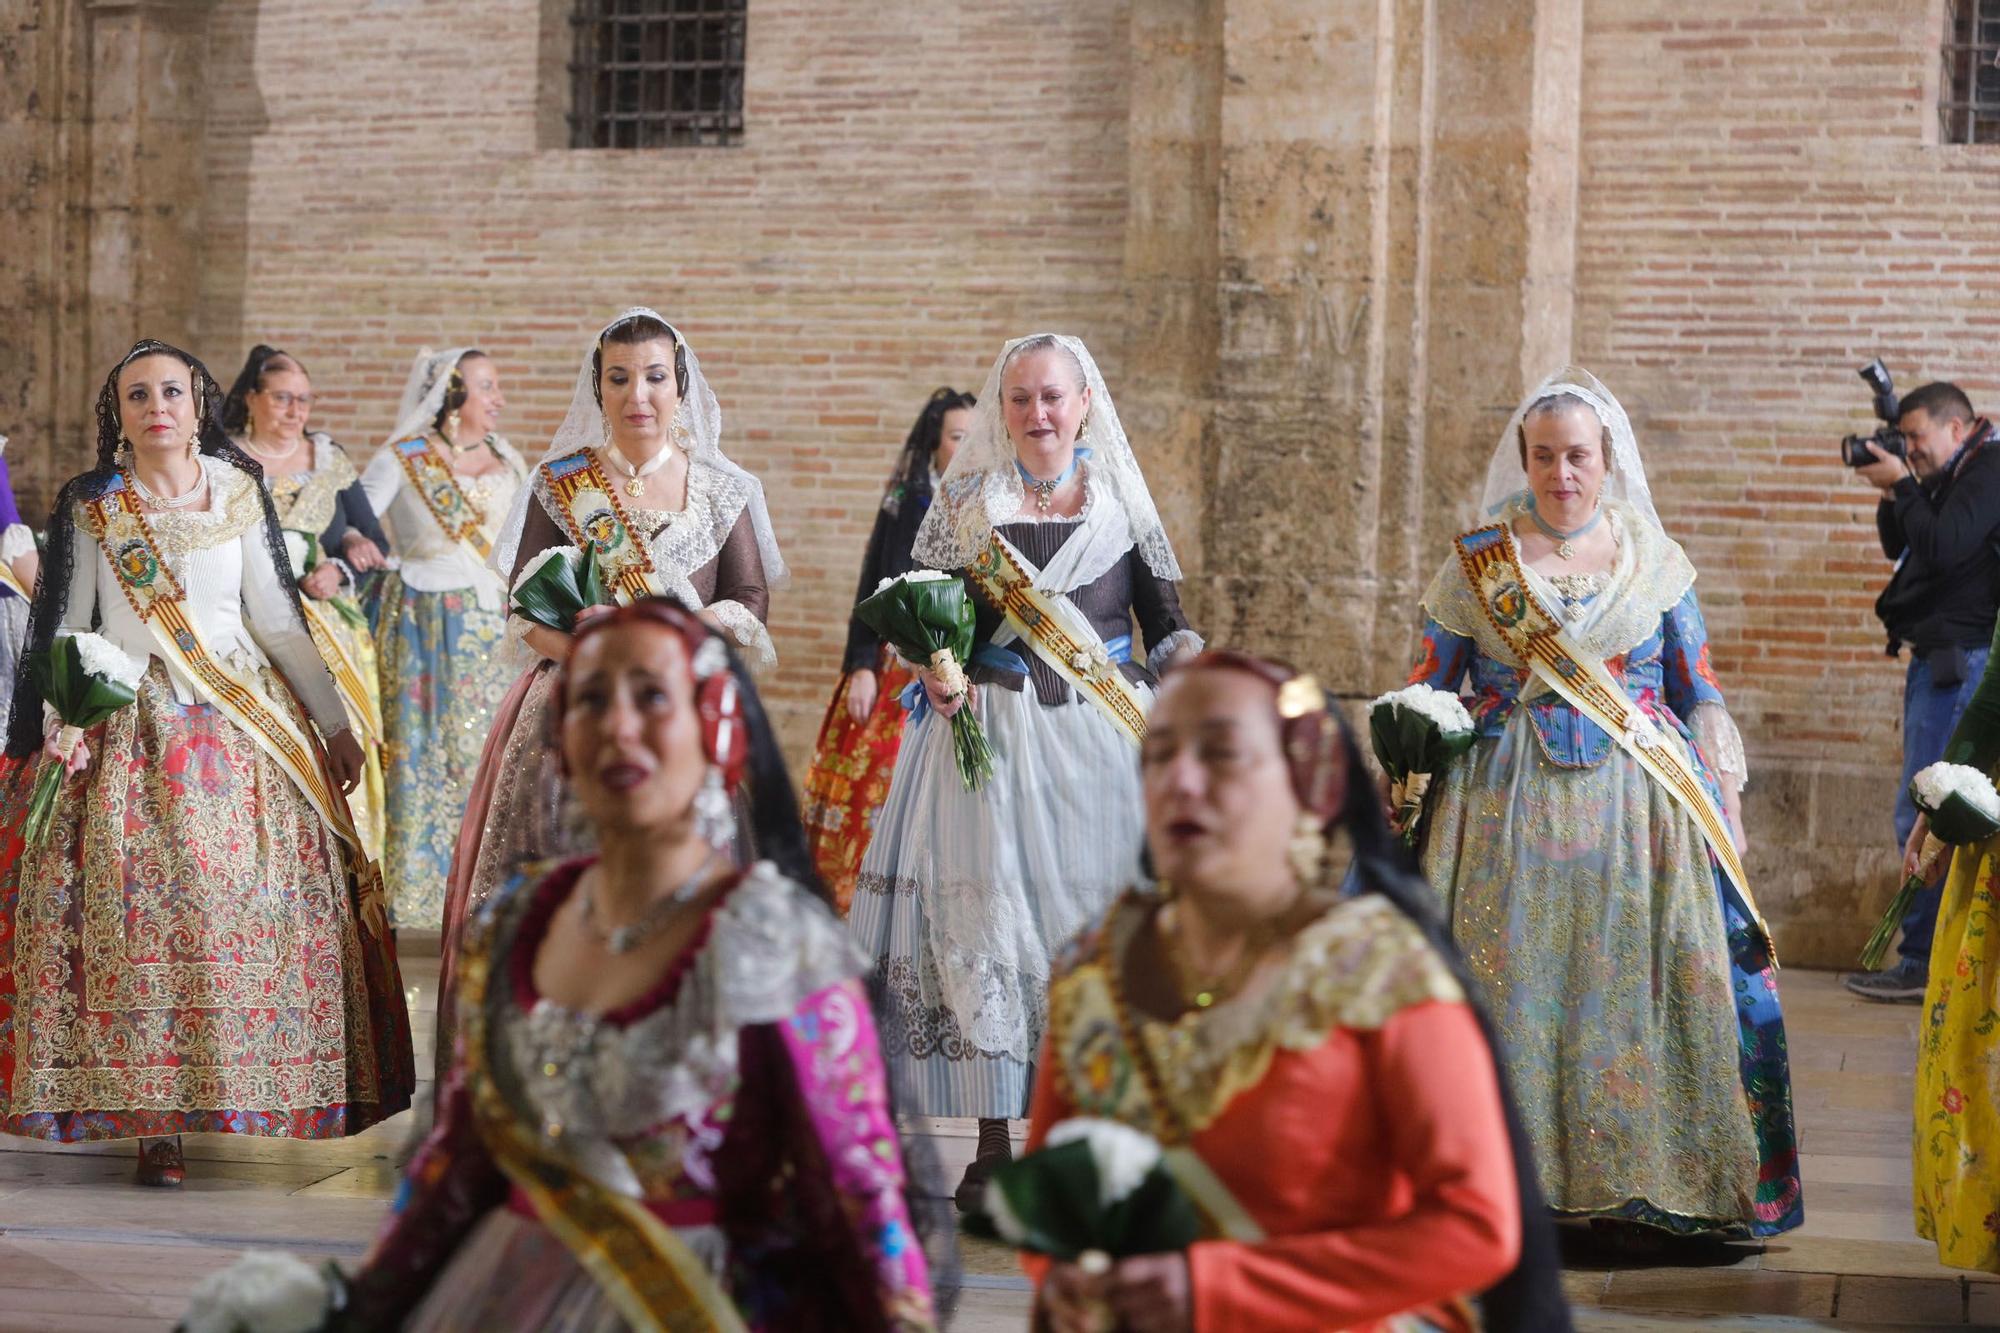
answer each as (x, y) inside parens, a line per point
(1969, 88)
(656, 73)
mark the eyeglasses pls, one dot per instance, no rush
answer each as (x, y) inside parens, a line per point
(285, 400)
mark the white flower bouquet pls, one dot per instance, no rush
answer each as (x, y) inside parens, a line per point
(265, 1291)
(927, 616)
(1415, 732)
(1097, 1190)
(85, 678)
(1959, 806)
(557, 585)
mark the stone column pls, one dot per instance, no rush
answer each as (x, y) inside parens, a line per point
(148, 111)
(1390, 251)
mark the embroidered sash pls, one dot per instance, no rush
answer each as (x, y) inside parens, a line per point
(643, 1267)
(1059, 632)
(348, 677)
(591, 513)
(433, 481)
(114, 518)
(1493, 572)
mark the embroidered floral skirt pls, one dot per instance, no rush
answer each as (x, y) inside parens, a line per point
(517, 811)
(444, 670)
(1955, 1155)
(1644, 1038)
(965, 897)
(849, 778)
(185, 952)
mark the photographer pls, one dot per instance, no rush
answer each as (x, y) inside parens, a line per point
(1940, 522)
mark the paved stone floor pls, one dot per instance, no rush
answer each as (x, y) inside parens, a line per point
(82, 1248)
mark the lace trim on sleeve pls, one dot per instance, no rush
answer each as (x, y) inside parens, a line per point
(1721, 744)
(753, 640)
(1164, 650)
(16, 541)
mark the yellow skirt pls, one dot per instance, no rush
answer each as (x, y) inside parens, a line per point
(1954, 1164)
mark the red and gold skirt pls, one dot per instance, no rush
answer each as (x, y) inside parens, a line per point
(185, 951)
(849, 778)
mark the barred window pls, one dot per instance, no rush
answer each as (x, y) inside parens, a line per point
(654, 73)
(1969, 88)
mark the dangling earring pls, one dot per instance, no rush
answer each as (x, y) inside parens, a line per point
(1082, 429)
(121, 457)
(678, 430)
(1307, 850)
(714, 813)
(451, 427)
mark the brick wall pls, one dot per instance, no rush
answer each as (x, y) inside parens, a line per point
(1763, 208)
(917, 183)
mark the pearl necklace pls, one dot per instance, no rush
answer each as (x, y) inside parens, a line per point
(181, 501)
(635, 477)
(271, 455)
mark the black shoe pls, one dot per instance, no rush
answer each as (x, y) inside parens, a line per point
(971, 1192)
(1901, 984)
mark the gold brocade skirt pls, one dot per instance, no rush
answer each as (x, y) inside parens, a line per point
(185, 951)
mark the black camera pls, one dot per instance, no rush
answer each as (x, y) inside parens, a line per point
(1854, 448)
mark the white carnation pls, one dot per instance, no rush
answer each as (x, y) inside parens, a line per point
(1121, 1154)
(296, 548)
(107, 661)
(1938, 783)
(1440, 706)
(923, 576)
(265, 1291)
(540, 558)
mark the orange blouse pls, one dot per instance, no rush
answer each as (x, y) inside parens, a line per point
(1352, 1110)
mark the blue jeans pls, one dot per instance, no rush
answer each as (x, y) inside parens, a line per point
(1930, 714)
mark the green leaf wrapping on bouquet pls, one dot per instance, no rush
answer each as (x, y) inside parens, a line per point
(1405, 741)
(917, 617)
(1055, 1206)
(80, 698)
(560, 588)
(1958, 821)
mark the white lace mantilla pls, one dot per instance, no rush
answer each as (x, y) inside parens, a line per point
(591, 1083)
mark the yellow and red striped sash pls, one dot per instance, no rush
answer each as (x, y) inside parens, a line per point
(591, 514)
(436, 485)
(348, 676)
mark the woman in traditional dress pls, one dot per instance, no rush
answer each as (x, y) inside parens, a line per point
(1586, 847)
(671, 1109)
(964, 896)
(636, 470)
(333, 538)
(445, 481)
(20, 563)
(198, 945)
(856, 751)
(1956, 1176)
(1312, 1061)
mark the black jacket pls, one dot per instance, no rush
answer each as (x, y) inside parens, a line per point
(1946, 533)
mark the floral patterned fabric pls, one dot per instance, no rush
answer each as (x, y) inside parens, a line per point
(1957, 1127)
(183, 954)
(767, 1145)
(1630, 982)
(849, 778)
(443, 675)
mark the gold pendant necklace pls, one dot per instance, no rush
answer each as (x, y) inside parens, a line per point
(635, 477)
